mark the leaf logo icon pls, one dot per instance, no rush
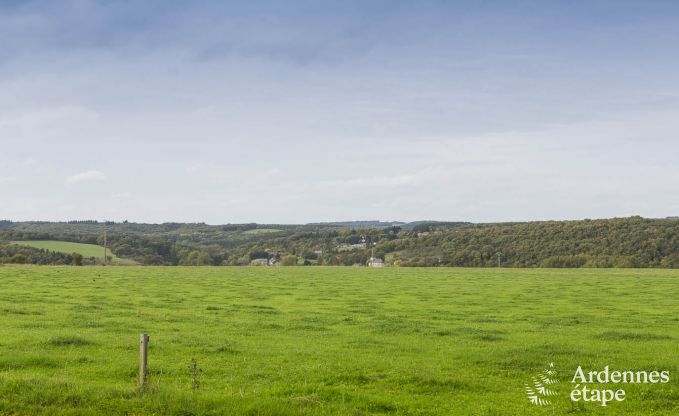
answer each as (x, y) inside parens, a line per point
(542, 386)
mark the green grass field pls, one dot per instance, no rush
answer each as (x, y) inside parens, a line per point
(87, 250)
(329, 341)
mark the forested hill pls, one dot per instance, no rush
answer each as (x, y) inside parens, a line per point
(619, 242)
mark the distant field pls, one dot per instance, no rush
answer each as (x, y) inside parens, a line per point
(87, 250)
(262, 231)
(329, 341)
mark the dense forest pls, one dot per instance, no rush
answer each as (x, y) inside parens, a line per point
(619, 242)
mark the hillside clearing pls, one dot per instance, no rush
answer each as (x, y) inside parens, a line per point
(87, 250)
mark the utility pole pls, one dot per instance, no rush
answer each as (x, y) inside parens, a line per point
(499, 259)
(104, 243)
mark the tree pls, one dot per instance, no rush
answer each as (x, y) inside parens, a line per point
(77, 259)
(258, 254)
(289, 260)
(18, 259)
(197, 258)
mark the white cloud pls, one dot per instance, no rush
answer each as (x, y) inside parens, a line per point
(121, 195)
(89, 176)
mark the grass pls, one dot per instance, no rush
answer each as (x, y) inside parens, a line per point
(87, 250)
(328, 341)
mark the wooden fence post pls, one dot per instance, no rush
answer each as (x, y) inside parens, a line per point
(143, 358)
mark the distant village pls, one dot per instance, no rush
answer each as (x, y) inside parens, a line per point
(373, 261)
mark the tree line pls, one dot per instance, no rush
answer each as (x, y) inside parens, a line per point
(618, 242)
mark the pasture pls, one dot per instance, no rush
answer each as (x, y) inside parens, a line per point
(87, 250)
(329, 341)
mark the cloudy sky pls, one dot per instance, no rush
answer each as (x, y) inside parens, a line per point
(302, 111)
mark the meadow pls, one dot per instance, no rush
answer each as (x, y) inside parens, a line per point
(87, 250)
(329, 341)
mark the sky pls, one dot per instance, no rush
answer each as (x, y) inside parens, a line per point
(307, 111)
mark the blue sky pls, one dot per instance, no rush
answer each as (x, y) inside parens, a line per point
(312, 111)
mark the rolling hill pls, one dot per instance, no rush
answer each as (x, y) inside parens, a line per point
(87, 250)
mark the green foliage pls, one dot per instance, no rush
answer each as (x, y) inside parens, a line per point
(624, 242)
(85, 250)
(18, 258)
(196, 258)
(620, 242)
(17, 254)
(77, 259)
(289, 260)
